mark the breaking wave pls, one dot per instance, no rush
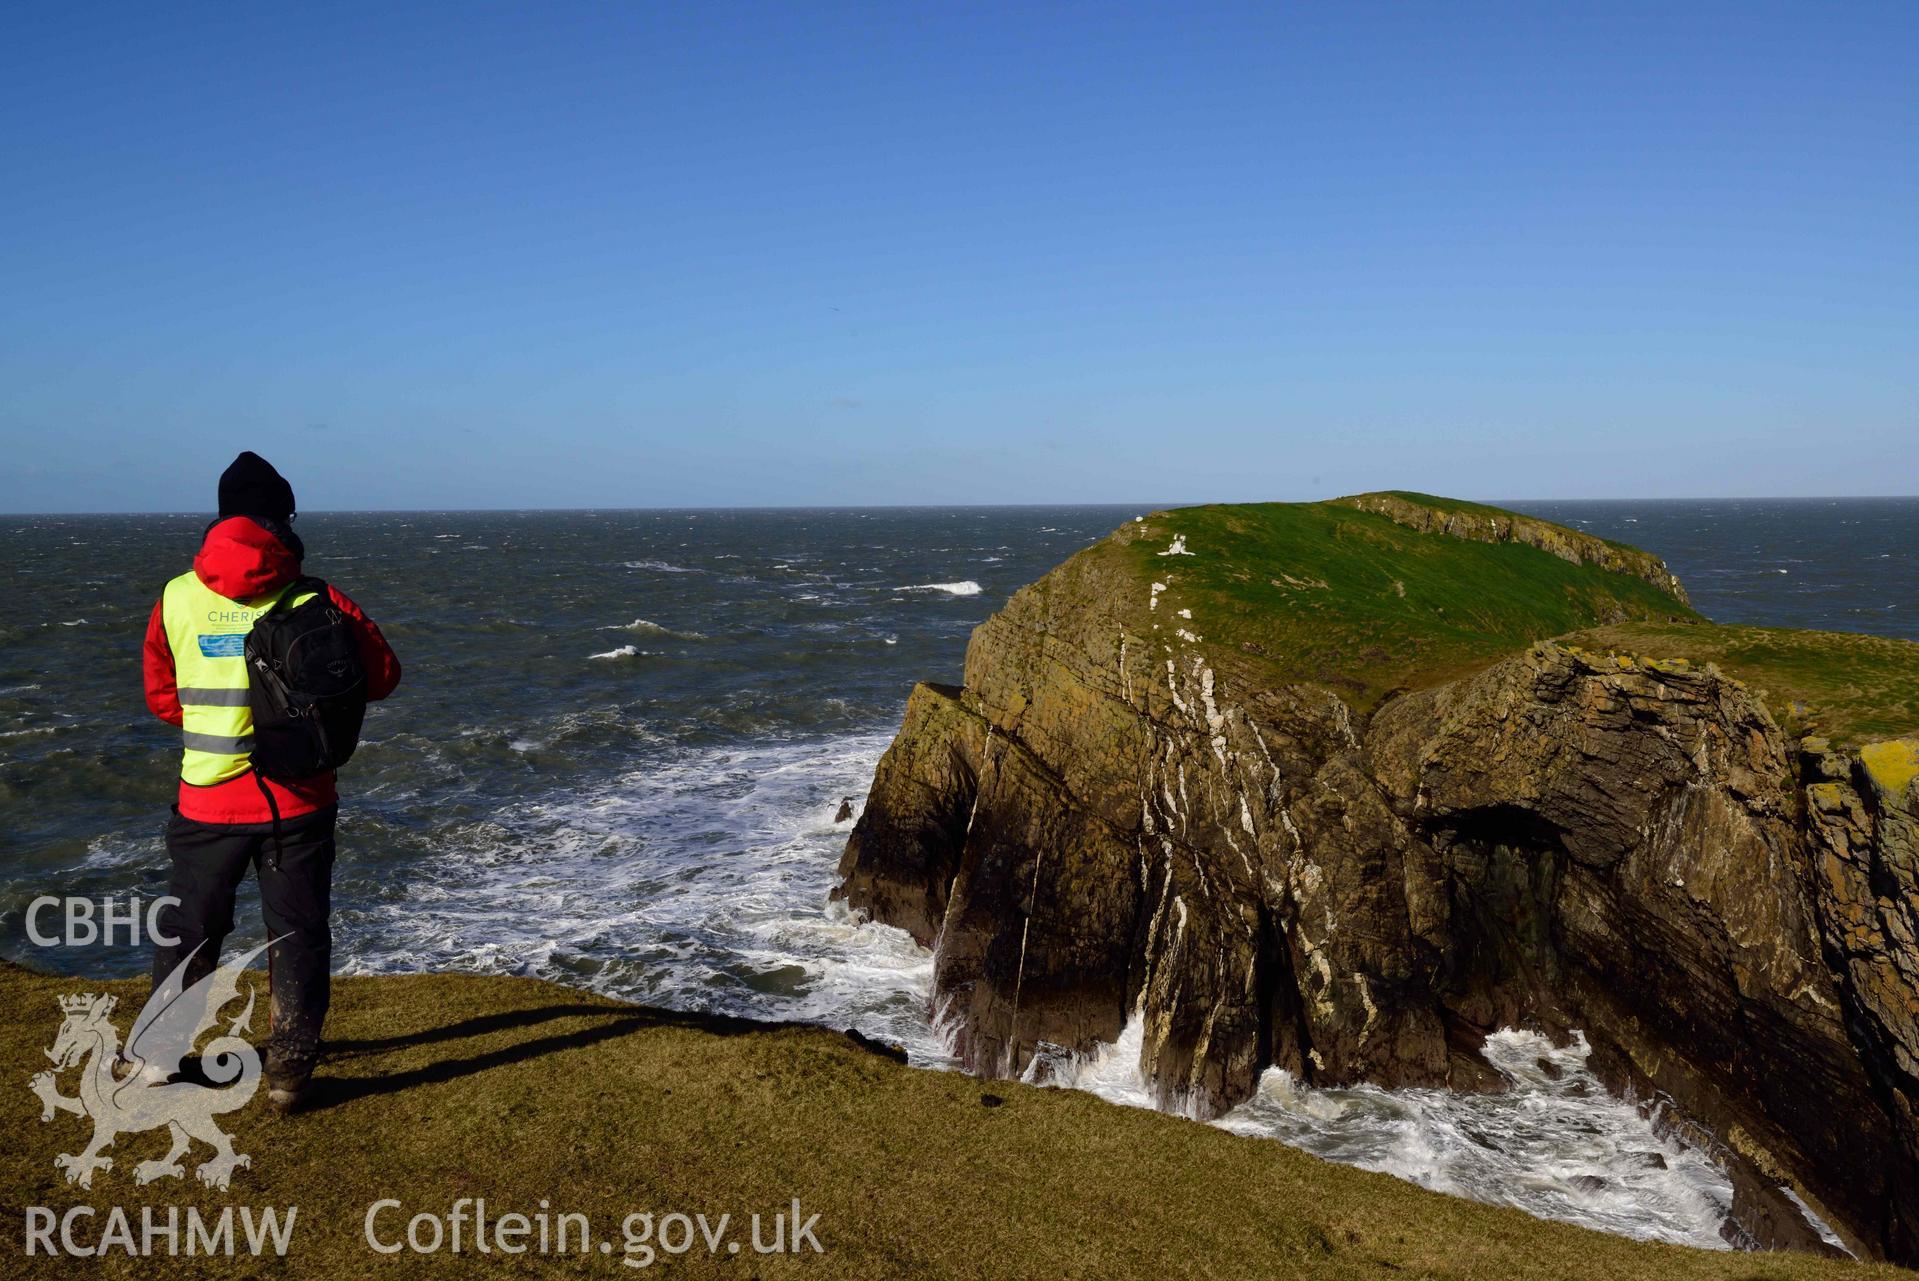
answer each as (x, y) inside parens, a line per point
(1554, 1144)
(699, 882)
(647, 627)
(966, 588)
(624, 651)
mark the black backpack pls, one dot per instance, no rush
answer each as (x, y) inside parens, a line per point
(306, 685)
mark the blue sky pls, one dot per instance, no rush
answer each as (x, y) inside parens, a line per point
(636, 255)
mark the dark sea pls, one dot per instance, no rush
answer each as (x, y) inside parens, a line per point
(623, 738)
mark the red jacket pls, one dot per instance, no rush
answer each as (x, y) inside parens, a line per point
(242, 561)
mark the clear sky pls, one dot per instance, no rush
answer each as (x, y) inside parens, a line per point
(624, 254)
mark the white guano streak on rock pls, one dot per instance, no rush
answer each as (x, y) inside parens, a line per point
(1234, 846)
(1323, 970)
(1344, 715)
(979, 793)
(1366, 999)
(1019, 976)
(1272, 766)
(1215, 721)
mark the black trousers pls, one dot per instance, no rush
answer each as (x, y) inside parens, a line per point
(296, 891)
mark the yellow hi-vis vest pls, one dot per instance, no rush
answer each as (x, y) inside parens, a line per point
(208, 634)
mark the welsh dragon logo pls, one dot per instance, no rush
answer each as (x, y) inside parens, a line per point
(133, 1091)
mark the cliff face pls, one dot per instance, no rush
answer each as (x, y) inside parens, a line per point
(1456, 827)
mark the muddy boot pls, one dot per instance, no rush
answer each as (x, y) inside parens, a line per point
(287, 1079)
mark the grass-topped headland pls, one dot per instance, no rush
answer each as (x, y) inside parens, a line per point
(1340, 788)
(1390, 591)
(1396, 590)
(538, 1098)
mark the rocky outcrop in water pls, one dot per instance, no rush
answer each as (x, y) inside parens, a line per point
(1115, 817)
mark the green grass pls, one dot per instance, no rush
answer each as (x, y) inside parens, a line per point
(1330, 594)
(442, 1087)
(1326, 593)
(1848, 687)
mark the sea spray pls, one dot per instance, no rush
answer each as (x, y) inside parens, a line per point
(1554, 1144)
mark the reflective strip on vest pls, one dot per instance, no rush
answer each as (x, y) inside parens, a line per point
(217, 745)
(190, 696)
(207, 633)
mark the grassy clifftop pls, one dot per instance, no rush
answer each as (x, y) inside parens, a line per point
(1380, 592)
(516, 1091)
(1389, 591)
(1850, 687)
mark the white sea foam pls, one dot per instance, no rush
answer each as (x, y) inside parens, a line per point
(965, 588)
(624, 651)
(1555, 1144)
(659, 567)
(647, 627)
(699, 883)
(1111, 1071)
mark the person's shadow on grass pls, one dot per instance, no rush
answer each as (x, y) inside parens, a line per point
(602, 1023)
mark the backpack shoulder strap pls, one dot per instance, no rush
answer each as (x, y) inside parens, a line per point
(298, 587)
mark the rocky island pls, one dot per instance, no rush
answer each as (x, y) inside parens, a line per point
(1344, 787)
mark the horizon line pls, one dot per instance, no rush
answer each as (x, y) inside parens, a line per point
(872, 507)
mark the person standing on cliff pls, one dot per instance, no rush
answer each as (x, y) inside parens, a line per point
(230, 815)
